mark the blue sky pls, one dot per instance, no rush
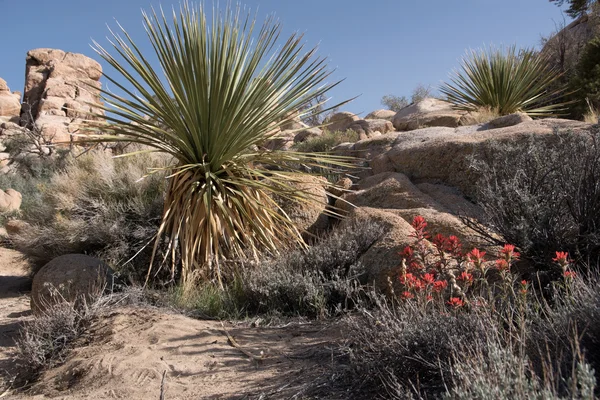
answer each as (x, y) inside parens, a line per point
(380, 46)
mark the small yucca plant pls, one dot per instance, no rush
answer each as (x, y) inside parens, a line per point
(217, 95)
(506, 81)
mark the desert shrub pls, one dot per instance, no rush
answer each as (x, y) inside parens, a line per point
(327, 141)
(543, 194)
(567, 331)
(506, 80)
(99, 205)
(46, 340)
(317, 282)
(403, 351)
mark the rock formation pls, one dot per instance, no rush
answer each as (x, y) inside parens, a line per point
(10, 103)
(61, 91)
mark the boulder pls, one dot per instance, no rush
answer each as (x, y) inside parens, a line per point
(426, 113)
(306, 134)
(10, 103)
(441, 155)
(72, 277)
(15, 226)
(340, 121)
(283, 140)
(307, 216)
(507, 120)
(388, 115)
(10, 200)
(371, 127)
(393, 200)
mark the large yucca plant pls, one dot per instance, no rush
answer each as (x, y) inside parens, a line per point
(221, 90)
(506, 81)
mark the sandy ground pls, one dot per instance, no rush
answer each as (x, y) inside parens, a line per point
(130, 353)
(14, 308)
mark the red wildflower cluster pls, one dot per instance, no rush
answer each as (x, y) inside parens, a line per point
(455, 302)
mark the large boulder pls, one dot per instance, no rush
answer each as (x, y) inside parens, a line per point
(425, 113)
(61, 88)
(306, 134)
(340, 121)
(10, 103)
(393, 200)
(10, 200)
(371, 127)
(308, 216)
(441, 154)
(388, 115)
(72, 277)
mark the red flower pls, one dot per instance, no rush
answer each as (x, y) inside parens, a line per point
(419, 223)
(407, 295)
(407, 279)
(407, 252)
(429, 279)
(524, 286)
(465, 276)
(476, 256)
(438, 286)
(440, 242)
(502, 265)
(455, 302)
(509, 252)
(561, 256)
(453, 246)
(570, 274)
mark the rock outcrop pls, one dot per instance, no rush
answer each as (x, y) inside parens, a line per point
(10, 103)
(388, 115)
(429, 112)
(440, 155)
(340, 121)
(61, 91)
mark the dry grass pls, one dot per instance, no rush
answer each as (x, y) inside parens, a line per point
(100, 206)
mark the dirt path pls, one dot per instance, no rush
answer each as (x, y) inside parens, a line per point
(14, 306)
(130, 353)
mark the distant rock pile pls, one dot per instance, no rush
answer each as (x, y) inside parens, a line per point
(61, 91)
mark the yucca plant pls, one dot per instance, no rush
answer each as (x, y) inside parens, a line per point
(506, 81)
(218, 95)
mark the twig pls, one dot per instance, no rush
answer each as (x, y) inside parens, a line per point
(162, 385)
(233, 343)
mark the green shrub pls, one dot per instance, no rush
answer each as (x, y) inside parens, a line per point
(505, 80)
(542, 194)
(327, 141)
(99, 205)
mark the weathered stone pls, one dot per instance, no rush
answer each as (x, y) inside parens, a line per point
(427, 113)
(307, 216)
(507, 120)
(340, 121)
(72, 277)
(369, 128)
(388, 115)
(3, 86)
(10, 200)
(306, 134)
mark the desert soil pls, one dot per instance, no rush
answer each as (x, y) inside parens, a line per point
(130, 353)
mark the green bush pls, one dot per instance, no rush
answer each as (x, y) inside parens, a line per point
(98, 205)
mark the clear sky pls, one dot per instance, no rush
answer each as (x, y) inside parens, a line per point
(379, 46)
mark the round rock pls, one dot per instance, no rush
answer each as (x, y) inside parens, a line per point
(71, 277)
